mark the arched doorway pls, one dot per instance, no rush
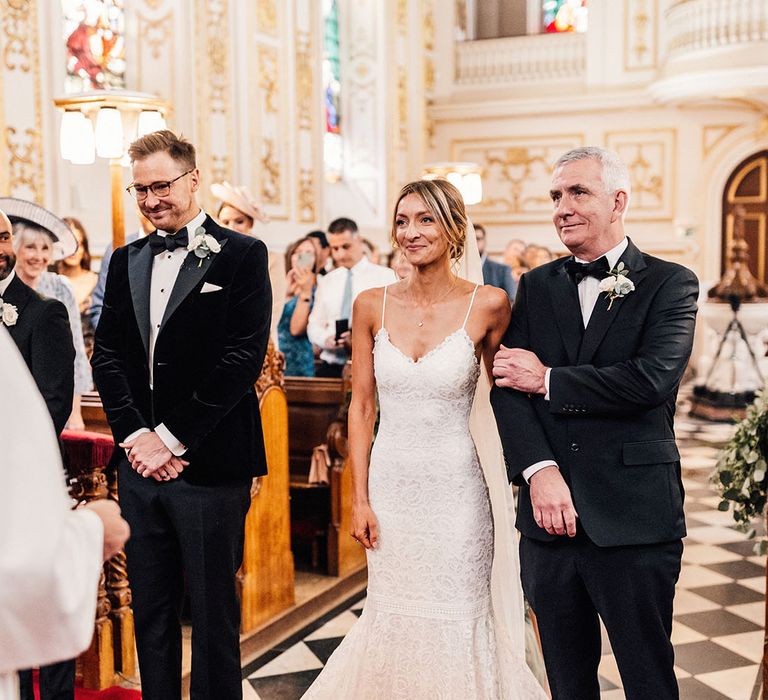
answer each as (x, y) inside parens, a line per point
(745, 196)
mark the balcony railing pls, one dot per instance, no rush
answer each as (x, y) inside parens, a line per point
(523, 59)
(694, 26)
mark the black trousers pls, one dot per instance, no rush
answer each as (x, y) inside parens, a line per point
(57, 682)
(180, 531)
(570, 582)
(328, 370)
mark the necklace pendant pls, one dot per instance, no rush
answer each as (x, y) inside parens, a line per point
(421, 323)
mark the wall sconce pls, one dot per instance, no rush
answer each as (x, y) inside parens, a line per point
(465, 177)
(120, 117)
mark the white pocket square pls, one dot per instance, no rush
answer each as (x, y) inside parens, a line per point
(208, 287)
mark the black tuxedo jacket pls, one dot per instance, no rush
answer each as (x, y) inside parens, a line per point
(609, 420)
(208, 353)
(44, 339)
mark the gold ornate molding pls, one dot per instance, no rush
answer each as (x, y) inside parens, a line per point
(272, 371)
(266, 16)
(402, 105)
(307, 125)
(306, 204)
(304, 80)
(268, 76)
(712, 135)
(640, 34)
(270, 179)
(19, 34)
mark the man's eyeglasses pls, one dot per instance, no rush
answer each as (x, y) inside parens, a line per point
(159, 189)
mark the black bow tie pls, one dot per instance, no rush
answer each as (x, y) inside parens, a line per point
(578, 271)
(171, 241)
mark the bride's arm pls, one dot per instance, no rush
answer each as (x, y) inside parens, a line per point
(362, 415)
(495, 303)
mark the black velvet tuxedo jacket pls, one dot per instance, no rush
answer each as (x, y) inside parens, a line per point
(609, 420)
(208, 353)
(44, 338)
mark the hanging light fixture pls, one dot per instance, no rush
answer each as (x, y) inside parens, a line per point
(109, 133)
(465, 177)
(83, 146)
(71, 123)
(150, 120)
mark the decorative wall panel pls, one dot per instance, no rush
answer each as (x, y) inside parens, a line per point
(21, 123)
(517, 173)
(640, 34)
(650, 156)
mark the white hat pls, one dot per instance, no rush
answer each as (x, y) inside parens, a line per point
(239, 198)
(65, 243)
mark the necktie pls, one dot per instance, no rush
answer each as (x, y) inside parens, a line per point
(171, 241)
(578, 271)
(346, 299)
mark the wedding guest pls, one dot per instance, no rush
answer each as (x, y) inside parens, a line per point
(372, 251)
(77, 269)
(145, 228)
(292, 329)
(36, 233)
(52, 556)
(400, 264)
(330, 319)
(494, 273)
(513, 253)
(239, 211)
(323, 251)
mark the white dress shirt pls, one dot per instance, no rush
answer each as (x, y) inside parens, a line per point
(4, 283)
(589, 291)
(165, 270)
(328, 299)
(50, 555)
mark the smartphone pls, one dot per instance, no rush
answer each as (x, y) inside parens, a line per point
(342, 326)
(305, 260)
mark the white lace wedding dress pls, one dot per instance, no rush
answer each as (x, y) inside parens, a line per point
(427, 631)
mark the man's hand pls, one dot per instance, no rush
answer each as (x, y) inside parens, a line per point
(116, 530)
(171, 470)
(345, 340)
(552, 504)
(519, 369)
(147, 453)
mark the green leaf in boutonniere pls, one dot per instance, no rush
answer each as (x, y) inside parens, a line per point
(617, 285)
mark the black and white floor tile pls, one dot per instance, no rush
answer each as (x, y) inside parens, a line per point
(719, 605)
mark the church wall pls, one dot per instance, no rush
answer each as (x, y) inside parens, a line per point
(515, 118)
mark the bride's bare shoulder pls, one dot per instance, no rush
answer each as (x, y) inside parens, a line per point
(370, 300)
(493, 302)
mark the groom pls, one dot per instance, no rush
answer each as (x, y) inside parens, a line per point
(586, 382)
(180, 343)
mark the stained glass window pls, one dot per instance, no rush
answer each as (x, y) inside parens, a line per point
(564, 15)
(94, 34)
(333, 149)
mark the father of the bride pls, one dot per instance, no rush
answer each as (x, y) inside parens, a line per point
(586, 382)
(180, 343)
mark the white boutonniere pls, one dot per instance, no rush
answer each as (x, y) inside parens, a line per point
(9, 314)
(203, 245)
(617, 285)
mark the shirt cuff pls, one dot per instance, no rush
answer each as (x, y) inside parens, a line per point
(546, 383)
(530, 471)
(135, 434)
(176, 448)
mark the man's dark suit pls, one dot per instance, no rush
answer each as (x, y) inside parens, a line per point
(208, 353)
(43, 336)
(608, 424)
(498, 275)
(44, 339)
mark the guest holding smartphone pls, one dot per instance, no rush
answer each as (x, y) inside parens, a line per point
(301, 261)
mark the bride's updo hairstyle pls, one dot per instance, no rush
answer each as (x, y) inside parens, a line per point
(446, 204)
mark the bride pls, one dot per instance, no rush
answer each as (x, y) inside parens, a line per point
(444, 614)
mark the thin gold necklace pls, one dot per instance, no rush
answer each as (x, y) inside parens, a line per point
(420, 324)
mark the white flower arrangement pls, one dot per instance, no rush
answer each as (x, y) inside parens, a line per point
(9, 314)
(203, 245)
(617, 285)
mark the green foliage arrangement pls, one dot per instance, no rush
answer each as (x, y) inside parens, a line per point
(740, 475)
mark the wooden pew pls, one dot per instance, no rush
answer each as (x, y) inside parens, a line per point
(321, 514)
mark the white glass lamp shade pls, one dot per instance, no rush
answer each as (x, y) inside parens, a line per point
(80, 145)
(109, 133)
(149, 121)
(471, 188)
(72, 121)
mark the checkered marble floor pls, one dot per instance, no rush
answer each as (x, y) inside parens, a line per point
(719, 605)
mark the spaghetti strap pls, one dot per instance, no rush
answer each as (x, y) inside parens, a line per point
(383, 307)
(471, 301)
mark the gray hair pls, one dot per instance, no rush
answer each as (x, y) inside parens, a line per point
(25, 230)
(615, 173)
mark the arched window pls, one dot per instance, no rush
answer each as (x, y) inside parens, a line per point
(94, 35)
(564, 16)
(333, 148)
